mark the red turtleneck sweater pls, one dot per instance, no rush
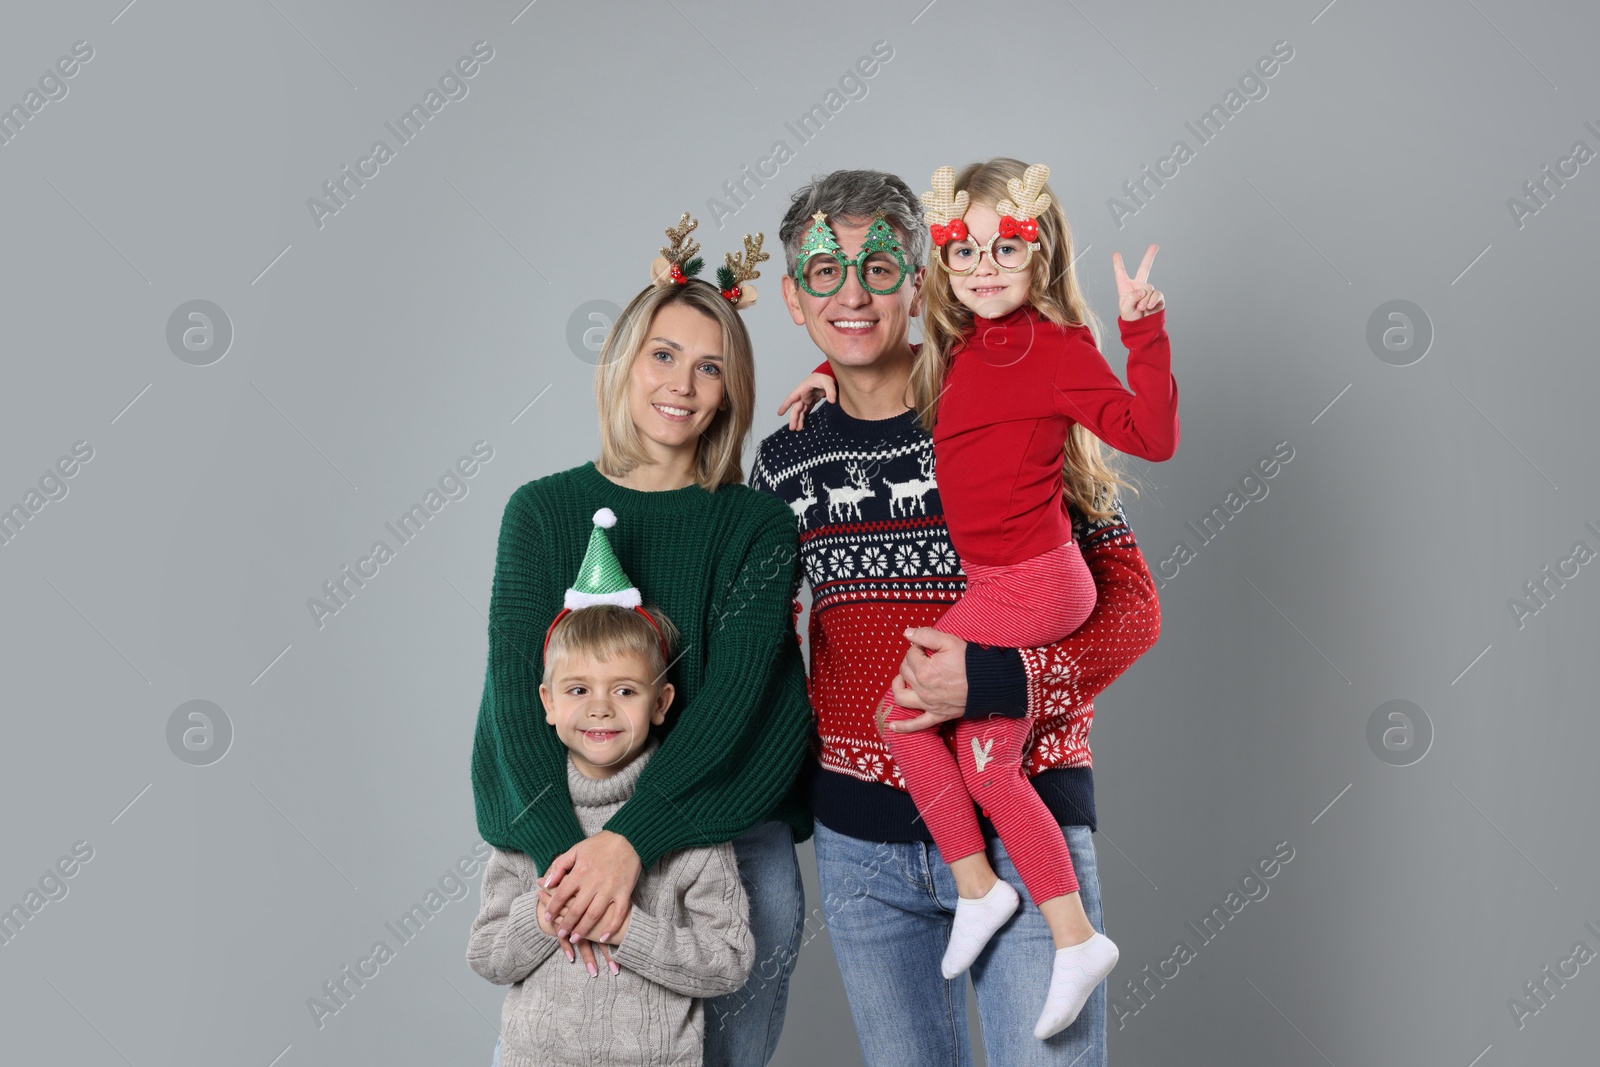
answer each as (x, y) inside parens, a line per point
(1010, 397)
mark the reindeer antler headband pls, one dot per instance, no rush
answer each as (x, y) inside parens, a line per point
(1025, 204)
(678, 262)
(1019, 212)
(942, 211)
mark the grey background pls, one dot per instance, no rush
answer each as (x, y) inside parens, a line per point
(368, 355)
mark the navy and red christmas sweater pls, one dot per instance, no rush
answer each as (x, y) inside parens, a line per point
(878, 558)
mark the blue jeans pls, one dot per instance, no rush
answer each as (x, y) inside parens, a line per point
(742, 1028)
(889, 907)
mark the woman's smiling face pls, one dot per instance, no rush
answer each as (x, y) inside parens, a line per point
(675, 386)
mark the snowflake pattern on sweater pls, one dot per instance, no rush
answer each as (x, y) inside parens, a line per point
(876, 551)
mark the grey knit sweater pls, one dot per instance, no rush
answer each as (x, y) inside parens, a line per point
(688, 937)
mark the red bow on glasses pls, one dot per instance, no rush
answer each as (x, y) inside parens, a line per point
(1027, 229)
(955, 231)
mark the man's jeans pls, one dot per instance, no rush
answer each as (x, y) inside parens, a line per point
(742, 1028)
(889, 907)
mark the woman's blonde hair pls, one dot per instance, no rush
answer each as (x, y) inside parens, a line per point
(718, 455)
(1089, 477)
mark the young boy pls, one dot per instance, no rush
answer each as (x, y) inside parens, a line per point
(687, 935)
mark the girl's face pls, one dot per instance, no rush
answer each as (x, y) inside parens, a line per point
(675, 387)
(989, 292)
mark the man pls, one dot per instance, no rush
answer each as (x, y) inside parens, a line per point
(873, 541)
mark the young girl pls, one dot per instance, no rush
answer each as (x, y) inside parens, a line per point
(1009, 379)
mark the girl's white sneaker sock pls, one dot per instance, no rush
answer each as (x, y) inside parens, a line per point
(976, 922)
(1078, 969)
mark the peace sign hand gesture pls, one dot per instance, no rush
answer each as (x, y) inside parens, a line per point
(1136, 298)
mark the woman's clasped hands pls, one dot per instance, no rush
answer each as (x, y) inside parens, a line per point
(586, 897)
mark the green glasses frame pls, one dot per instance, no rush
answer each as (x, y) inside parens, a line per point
(820, 241)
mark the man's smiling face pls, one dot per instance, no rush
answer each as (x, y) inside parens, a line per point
(854, 327)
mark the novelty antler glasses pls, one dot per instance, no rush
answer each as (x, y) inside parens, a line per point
(1010, 247)
(1008, 252)
(881, 266)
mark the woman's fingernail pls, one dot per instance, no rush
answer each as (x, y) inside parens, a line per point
(571, 958)
(603, 936)
(614, 968)
(561, 932)
(592, 971)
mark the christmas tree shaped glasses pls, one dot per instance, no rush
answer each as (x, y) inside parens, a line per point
(881, 266)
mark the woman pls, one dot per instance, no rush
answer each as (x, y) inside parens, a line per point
(676, 392)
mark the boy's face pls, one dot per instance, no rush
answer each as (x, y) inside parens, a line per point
(602, 709)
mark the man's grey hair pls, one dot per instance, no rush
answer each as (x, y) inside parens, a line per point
(855, 196)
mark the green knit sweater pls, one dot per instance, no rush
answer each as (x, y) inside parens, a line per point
(724, 568)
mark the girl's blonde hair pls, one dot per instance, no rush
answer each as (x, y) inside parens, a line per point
(1089, 477)
(717, 456)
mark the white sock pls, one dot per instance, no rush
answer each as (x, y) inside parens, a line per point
(1078, 969)
(976, 922)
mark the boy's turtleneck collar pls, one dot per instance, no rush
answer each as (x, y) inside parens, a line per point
(589, 792)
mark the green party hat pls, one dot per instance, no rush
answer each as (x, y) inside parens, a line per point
(601, 579)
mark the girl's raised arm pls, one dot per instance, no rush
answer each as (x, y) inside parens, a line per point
(819, 382)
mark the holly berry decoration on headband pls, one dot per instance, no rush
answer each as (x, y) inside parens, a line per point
(942, 208)
(742, 268)
(679, 261)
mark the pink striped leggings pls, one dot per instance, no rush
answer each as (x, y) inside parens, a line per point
(1024, 605)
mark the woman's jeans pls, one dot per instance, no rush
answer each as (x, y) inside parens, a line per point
(742, 1028)
(889, 907)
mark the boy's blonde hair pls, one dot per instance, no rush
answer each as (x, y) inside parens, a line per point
(1089, 477)
(605, 631)
(717, 459)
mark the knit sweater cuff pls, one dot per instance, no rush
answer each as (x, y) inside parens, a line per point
(997, 684)
(528, 944)
(642, 943)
